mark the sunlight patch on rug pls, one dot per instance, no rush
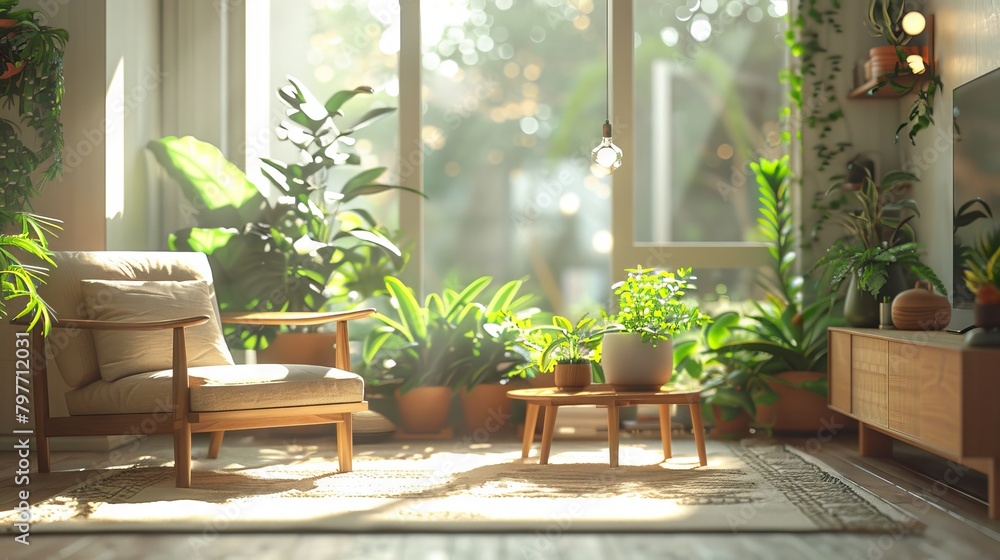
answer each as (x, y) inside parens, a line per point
(750, 488)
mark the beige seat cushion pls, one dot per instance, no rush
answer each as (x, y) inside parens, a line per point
(215, 388)
(123, 353)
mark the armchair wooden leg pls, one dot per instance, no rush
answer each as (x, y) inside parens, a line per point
(345, 443)
(182, 455)
(42, 443)
(215, 445)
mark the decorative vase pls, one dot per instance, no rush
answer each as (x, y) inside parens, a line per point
(885, 315)
(424, 410)
(861, 308)
(633, 365)
(920, 309)
(573, 377)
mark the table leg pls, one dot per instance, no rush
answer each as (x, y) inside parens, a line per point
(547, 431)
(665, 430)
(530, 420)
(613, 434)
(699, 433)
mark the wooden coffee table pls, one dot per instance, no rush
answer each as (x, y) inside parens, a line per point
(605, 395)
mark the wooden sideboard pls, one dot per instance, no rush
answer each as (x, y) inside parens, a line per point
(923, 388)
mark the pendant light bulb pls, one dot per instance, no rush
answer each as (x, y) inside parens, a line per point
(606, 157)
(914, 23)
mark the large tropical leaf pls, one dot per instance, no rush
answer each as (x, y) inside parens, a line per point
(411, 317)
(220, 193)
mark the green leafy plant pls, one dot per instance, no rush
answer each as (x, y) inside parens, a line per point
(560, 342)
(31, 61)
(650, 304)
(982, 264)
(787, 333)
(311, 247)
(813, 80)
(18, 279)
(879, 237)
(731, 380)
(451, 340)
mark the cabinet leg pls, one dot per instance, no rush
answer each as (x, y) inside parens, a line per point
(872, 443)
(993, 495)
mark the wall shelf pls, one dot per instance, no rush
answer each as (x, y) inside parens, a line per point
(886, 91)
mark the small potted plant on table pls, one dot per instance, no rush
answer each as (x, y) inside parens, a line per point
(572, 352)
(638, 352)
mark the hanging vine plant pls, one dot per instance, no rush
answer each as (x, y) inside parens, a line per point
(813, 91)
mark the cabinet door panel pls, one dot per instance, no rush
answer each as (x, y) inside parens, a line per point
(840, 371)
(940, 374)
(904, 388)
(870, 379)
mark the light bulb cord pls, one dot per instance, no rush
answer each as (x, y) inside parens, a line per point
(607, 66)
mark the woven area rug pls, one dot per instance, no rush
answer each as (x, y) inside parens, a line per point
(471, 488)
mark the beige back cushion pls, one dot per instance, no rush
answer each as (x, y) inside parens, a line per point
(73, 349)
(124, 353)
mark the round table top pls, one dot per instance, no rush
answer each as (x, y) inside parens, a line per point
(605, 393)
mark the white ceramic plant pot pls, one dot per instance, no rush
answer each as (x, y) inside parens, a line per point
(631, 364)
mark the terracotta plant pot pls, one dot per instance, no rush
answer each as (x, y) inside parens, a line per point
(987, 316)
(315, 348)
(797, 409)
(573, 377)
(633, 365)
(424, 410)
(8, 69)
(486, 407)
(737, 428)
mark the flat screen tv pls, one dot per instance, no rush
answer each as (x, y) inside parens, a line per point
(976, 175)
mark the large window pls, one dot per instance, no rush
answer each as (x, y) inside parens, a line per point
(512, 96)
(512, 107)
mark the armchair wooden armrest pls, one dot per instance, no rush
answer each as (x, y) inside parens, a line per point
(342, 358)
(277, 318)
(92, 324)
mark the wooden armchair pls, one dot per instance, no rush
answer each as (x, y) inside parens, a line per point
(138, 338)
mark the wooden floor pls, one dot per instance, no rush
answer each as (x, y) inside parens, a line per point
(957, 528)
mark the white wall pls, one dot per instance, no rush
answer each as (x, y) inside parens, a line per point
(967, 46)
(134, 76)
(103, 141)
